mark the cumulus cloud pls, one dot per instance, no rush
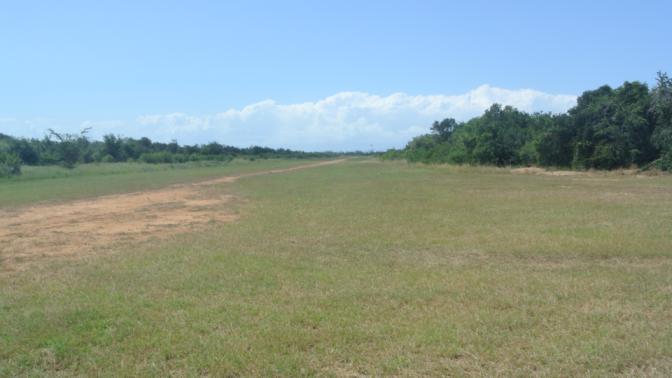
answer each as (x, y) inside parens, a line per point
(344, 121)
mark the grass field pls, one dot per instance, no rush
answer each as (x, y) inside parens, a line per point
(361, 268)
(89, 180)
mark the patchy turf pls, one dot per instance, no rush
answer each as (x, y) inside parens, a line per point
(370, 268)
(53, 184)
(78, 228)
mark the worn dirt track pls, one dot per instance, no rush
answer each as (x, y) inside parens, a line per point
(79, 228)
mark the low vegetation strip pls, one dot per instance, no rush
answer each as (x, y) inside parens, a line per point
(80, 227)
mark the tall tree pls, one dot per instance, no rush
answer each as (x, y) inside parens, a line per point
(113, 147)
(444, 129)
(501, 132)
(70, 147)
(661, 110)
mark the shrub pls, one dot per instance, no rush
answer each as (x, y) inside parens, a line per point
(392, 154)
(157, 157)
(107, 159)
(665, 162)
(10, 164)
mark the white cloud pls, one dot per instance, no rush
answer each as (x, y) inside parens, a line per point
(344, 121)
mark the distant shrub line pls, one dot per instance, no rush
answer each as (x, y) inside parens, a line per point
(607, 129)
(69, 150)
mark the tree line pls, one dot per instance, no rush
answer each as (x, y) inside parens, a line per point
(69, 150)
(608, 128)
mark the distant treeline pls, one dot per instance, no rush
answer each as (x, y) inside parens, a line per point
(71, 149)
(607, 129)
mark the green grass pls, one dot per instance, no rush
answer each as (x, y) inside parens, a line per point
(371, 268)
(88, 180)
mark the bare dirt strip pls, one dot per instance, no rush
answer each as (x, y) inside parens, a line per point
(78, 228)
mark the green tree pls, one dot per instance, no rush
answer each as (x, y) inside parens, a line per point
(556, 144)
(421, 149)
(26, 151)
(661, 111)
(612, 127)
(114, 147)
(500, 134)
(70, 147)
(212, 148)
(444, 129)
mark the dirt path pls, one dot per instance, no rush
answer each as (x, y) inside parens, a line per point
(78, 228)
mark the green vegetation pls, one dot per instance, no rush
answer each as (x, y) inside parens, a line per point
(608, 128)
(10, 164)
(69, 150)
(368, 267)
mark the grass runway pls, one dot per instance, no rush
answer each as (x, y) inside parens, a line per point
(359, 268)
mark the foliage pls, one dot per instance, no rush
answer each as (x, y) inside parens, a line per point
(661, 112)
(445, 128)
(607, 129)
(113, 147)
(70, 149)
(10, 164)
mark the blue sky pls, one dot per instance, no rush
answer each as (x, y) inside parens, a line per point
(310, 74)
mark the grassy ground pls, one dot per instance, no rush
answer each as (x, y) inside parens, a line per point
(376, 269)
(88, 180)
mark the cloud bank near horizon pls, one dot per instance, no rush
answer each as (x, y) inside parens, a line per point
(342, 122)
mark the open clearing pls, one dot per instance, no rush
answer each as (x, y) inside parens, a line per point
(82, 227)
(362, 268)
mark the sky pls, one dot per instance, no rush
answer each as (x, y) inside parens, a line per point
(311, 75)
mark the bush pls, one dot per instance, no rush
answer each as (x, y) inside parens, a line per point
(157, 157)
(163, 157)
(107, 159)
(392, 154)
(10, 165)
(665, 162)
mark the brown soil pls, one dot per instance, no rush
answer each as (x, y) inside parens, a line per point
(79, 228)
